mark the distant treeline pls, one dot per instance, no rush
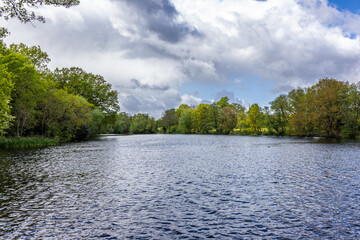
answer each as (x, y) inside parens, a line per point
(66, 104)
(70, 104)
(330, 108)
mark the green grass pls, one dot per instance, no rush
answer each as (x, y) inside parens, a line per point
(26, 142)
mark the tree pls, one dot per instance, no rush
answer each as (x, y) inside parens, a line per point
(350, 110)
(254, 119)
(204, 118)
(241, 120)
(92, 87)
(182, 108)
(37, 57)
(142, 123)
(295, 98)
(302, 120)
(228, 119)
(326, 109)
(281, 111)
(169, 119)
(96, 119)
(122, 124)
(223, 102)
(271, 122)
(20, 9)
(28, 90)
(65, 115)
(6, 87)
(185, 122)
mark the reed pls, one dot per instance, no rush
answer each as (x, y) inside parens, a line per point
(26, 142)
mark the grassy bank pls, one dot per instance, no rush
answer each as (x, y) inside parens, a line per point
(26, 142)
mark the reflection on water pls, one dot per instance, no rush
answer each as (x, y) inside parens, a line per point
(182, 186)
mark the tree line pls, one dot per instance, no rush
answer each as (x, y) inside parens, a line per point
(329, 108)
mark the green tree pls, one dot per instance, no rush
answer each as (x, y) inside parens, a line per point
(326, 109)
(92, 87)
(37, 57)
(96, 119)
(28, 90)
(295, 98)
(350, 110)
(169, 119)
(228, 119)
(204, 118)
(254, 119)
(6, 87)
(122, 124)
(271, 122)
(142, 123)
(241, 120)
(66, 116)
(182, 108)
(281, 111)
(223, 102)
(185, 122)
(302, 120)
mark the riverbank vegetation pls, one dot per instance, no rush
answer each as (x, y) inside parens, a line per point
(66, 104)
(329, 108)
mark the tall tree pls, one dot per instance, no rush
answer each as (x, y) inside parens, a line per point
(228, 119)
(142, 123)
(327, 105)
(204, 118)
(6, 87)
(254, 119)
(122, 124)
(281, 111)
(350, 110)
(65, 115)
(169, 119)
(92, 87)
(28, 90)
(185, 121)
(37, 57)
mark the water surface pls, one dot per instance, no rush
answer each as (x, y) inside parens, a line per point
(182, 187)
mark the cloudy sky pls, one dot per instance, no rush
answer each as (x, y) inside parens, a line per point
(160, 53)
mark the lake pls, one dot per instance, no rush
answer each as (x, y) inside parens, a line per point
(182, 187)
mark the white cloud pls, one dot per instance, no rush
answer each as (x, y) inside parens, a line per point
(190, 100)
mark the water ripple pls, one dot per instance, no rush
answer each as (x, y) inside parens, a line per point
(182, 187)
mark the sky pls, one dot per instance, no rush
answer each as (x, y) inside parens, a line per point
(159, 54)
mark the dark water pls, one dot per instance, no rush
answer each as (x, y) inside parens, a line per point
(182, 187)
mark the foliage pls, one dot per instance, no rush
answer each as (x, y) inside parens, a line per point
(254, 119)
(142, 123)
(32, 103)
(26, 142)
(6, 87)
(228, 119)
(66, 116)
(37, 57)
(279, 120)
(205, 118)
(170, 119)
(122, 124)
(350, 110)
(92, 87)
(28, 89)
(185, 122)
